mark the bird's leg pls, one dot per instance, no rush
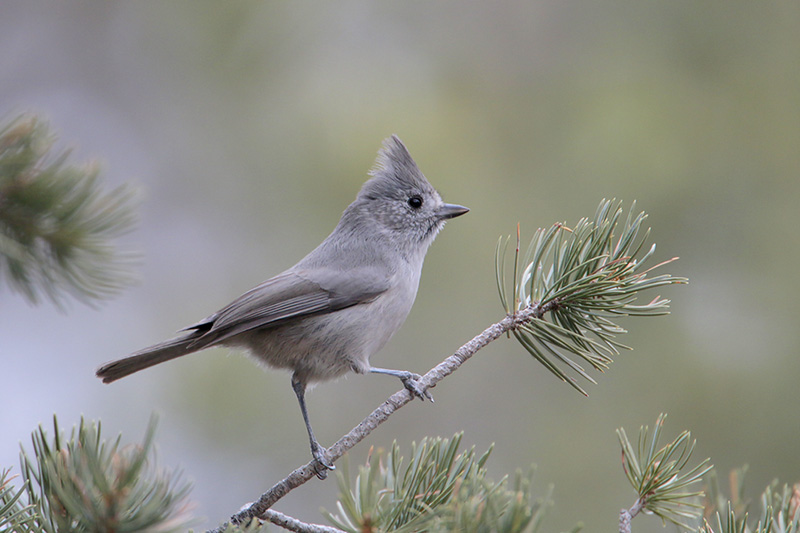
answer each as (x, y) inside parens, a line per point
(410, 381)
(317, 451)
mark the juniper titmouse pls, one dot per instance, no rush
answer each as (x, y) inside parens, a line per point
(330, 312)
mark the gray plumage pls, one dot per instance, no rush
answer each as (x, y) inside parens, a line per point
(329, 313)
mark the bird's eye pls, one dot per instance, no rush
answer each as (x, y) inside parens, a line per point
(415, 202)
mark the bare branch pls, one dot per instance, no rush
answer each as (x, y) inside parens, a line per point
(293, 524)
(626, 515)
(260, 508)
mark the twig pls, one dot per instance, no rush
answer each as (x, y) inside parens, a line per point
(293, 524)
(397, 400)
(626, 515)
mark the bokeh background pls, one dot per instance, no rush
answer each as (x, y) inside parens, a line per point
(249, 126)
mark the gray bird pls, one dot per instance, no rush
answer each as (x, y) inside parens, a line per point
(329, 313)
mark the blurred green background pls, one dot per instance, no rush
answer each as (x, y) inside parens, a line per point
(249, 126)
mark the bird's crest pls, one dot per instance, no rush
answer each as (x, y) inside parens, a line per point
(394, 170)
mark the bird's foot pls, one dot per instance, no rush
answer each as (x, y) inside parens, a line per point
(321, 462)
(411, 382)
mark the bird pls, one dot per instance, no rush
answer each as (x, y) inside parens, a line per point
(328, 314)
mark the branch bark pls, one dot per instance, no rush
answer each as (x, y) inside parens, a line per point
(626, 515)
(259, 509)
(293, 524)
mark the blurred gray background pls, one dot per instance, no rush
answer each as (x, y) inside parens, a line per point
(249, 126)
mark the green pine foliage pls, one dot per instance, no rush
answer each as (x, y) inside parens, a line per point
(779, 513)
(576, 283)
(440, 489)
(57, 225)
(660, 476)
(14, 514)
(83, 483)
(86, 483)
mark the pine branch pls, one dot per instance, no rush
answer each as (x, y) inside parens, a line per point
(14, 514)
(440, 489)
(84, 483)
(659, 479)
(585, 278)
(389, 496)
(580, 277)
(780, 508)
(56, 223)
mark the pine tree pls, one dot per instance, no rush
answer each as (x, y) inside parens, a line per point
(562, 299)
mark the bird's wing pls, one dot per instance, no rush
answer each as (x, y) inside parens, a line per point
(293, 294)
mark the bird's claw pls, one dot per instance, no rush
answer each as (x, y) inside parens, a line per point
(321, 462)
(411, 382)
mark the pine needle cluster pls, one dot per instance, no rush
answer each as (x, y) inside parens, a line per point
(85, 483)
(574, 285)
(779, 513)
(440, 489)
(57, 225)
(660, 476)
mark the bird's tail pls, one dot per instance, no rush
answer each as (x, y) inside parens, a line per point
(148, 357)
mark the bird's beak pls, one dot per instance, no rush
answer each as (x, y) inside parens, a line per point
(451, 211)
